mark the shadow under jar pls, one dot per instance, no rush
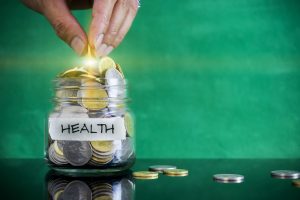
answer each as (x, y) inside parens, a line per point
(90, 128)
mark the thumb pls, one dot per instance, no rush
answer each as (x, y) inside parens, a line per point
(65, 25)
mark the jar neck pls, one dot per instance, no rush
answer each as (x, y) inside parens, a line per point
(95, 96)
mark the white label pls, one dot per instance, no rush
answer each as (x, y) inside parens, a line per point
(87, 129)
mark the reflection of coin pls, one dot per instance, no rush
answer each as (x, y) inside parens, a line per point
(77, 190)
(77, 153)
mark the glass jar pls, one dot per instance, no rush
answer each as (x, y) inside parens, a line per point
(90, 128)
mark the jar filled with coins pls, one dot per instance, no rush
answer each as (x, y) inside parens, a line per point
(90, 127)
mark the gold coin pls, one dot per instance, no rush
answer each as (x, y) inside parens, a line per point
(118, 67)
(102, 146)
(176, 175)
(145, 175)
(93, 97)
(129, 125)
(56, 149)
(88, 76)
(73, 73)
(57, 194)
(176, 172)
(102, 160)
(104, 64)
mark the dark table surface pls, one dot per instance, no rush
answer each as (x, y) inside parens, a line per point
(28, 179)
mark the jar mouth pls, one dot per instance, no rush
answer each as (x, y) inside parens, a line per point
(67, 81)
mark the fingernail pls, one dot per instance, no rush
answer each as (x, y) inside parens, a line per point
(98, 40)
(78, 45)
(100, 50)
(108, 50)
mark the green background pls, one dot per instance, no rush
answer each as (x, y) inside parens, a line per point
(208, 79)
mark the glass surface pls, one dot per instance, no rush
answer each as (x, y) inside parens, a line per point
(27, 179)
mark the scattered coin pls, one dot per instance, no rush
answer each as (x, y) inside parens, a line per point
(161, 168)
(176, 172)
(77, 153)
(228, 178)
(145, 175)
(285, 174)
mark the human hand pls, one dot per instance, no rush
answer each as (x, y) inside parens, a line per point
(111, 20)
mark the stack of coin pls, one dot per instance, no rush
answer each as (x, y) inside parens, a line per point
(96, 91)
(285, 174)
(145, 175)
(228, 178)
(56, 156)
(103, 152)
(176, 172)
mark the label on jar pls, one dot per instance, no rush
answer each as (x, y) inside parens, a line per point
(87, 129)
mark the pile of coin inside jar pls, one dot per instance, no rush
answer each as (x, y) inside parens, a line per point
(91, 92)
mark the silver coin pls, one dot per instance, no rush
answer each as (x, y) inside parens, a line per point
(77, 153)
(115, 83)
(228, 178)
(77, 190)
(285, 174)
(161, 168)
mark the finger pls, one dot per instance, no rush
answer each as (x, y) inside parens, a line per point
(65, 25)
(123, 31)
(101, 14)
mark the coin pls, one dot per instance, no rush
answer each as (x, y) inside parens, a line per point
(55, 157)
(77, 190)
(118, 67)
(58, 147)
(285, 174)
(94, 97)
(102, 146)
(228, 178)
(77, 153)
(104, 64)
(161, 168)
(73, 73)
(175, 172)
(115, 83)
(145, 175)
(129, 125)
